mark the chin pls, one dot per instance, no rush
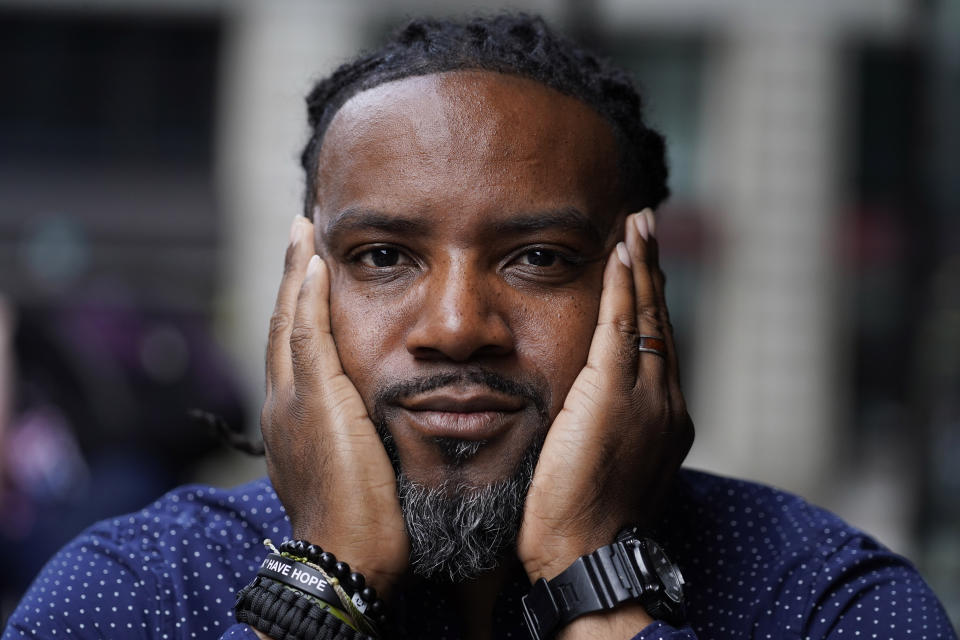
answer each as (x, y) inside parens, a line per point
(467, 466)
(463, 515)
(460, 528)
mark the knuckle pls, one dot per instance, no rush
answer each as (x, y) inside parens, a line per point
(626, 327)
(300, 336)
(279, 323)
(266, 416)
(271, 414)
(653, 316)
(652, 313)
(651, 401)
(302, 348)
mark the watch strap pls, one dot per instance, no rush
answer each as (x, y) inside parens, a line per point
(595, 582)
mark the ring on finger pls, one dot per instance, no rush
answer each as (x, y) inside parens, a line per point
(652, 344)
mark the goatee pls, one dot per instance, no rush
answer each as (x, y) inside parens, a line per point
(458, 531)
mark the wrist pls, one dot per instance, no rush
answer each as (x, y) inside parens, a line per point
(382, 577)
(551, 559)
(626, 583)
(308, 567)
(624, 623)
(275, 610)
(381, 558)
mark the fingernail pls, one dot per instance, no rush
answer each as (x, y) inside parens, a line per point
(295, 228)
(313, 265)
(623, 254)
(641, 221)
(651, 221)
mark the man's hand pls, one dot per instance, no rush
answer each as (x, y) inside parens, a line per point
(324, 456)
(623, 431)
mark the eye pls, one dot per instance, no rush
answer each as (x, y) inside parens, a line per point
(539, 258)
(545, 264)
(382, 257)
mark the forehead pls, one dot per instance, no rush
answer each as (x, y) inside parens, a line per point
(473, 141)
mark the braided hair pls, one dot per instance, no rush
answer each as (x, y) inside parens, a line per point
(515, 44)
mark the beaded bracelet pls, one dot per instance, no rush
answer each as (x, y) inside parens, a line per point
(362, 596)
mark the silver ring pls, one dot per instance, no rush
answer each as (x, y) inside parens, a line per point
(652, 344)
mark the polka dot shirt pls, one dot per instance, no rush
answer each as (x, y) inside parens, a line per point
(758, 563)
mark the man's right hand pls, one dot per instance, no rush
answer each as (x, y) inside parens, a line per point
(324, 457)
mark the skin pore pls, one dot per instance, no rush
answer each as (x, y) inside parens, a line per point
(465, 218)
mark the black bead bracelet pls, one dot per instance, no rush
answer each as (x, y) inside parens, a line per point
(353, 582)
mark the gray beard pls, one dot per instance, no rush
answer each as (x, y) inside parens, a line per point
(457, 531)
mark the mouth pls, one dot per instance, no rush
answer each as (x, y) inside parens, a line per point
(461, 414)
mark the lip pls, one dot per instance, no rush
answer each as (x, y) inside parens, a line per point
(466, 401)
(466, 415)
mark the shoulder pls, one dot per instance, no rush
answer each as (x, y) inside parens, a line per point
(775, 520)
(174, 564)
(779, 564)
(191, 521)
(194, 537)
(210, 511)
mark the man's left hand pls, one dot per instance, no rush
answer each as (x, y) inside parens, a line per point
(623, 431)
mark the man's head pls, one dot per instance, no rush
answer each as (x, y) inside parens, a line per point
(467, 183)
(514, 44)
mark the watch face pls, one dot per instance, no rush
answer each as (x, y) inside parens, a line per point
(666, 571)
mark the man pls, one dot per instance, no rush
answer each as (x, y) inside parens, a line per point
(472, 388)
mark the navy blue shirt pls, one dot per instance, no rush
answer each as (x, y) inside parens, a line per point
(759, 563)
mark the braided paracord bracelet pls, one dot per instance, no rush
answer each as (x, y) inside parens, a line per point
(285, 614)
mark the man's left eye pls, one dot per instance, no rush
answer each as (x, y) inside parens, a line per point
(539, 258)
(382, 257)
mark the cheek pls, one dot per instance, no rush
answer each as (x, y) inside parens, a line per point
(365, 330)
(553, 339)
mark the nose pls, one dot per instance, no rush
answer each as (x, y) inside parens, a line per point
(461, 315)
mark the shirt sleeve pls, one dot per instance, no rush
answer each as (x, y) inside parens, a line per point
(865, 590)
(239, 632)
(662, 631)
(92, 588)
(96, 587)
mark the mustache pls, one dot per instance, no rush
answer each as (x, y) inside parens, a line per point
(396, 391)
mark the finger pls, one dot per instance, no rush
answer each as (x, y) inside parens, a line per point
(648, 310)
(610, 370)
(311, 343)
(614, 340)
(659, 287)
(320, 383)
(279, 366)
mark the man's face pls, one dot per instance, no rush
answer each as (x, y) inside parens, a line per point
(465, 217)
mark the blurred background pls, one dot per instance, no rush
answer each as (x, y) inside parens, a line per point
(149, 173)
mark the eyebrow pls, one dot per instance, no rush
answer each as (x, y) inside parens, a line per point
(566, 218)
(353, 219)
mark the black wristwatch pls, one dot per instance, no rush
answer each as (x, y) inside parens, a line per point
(630, 569)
